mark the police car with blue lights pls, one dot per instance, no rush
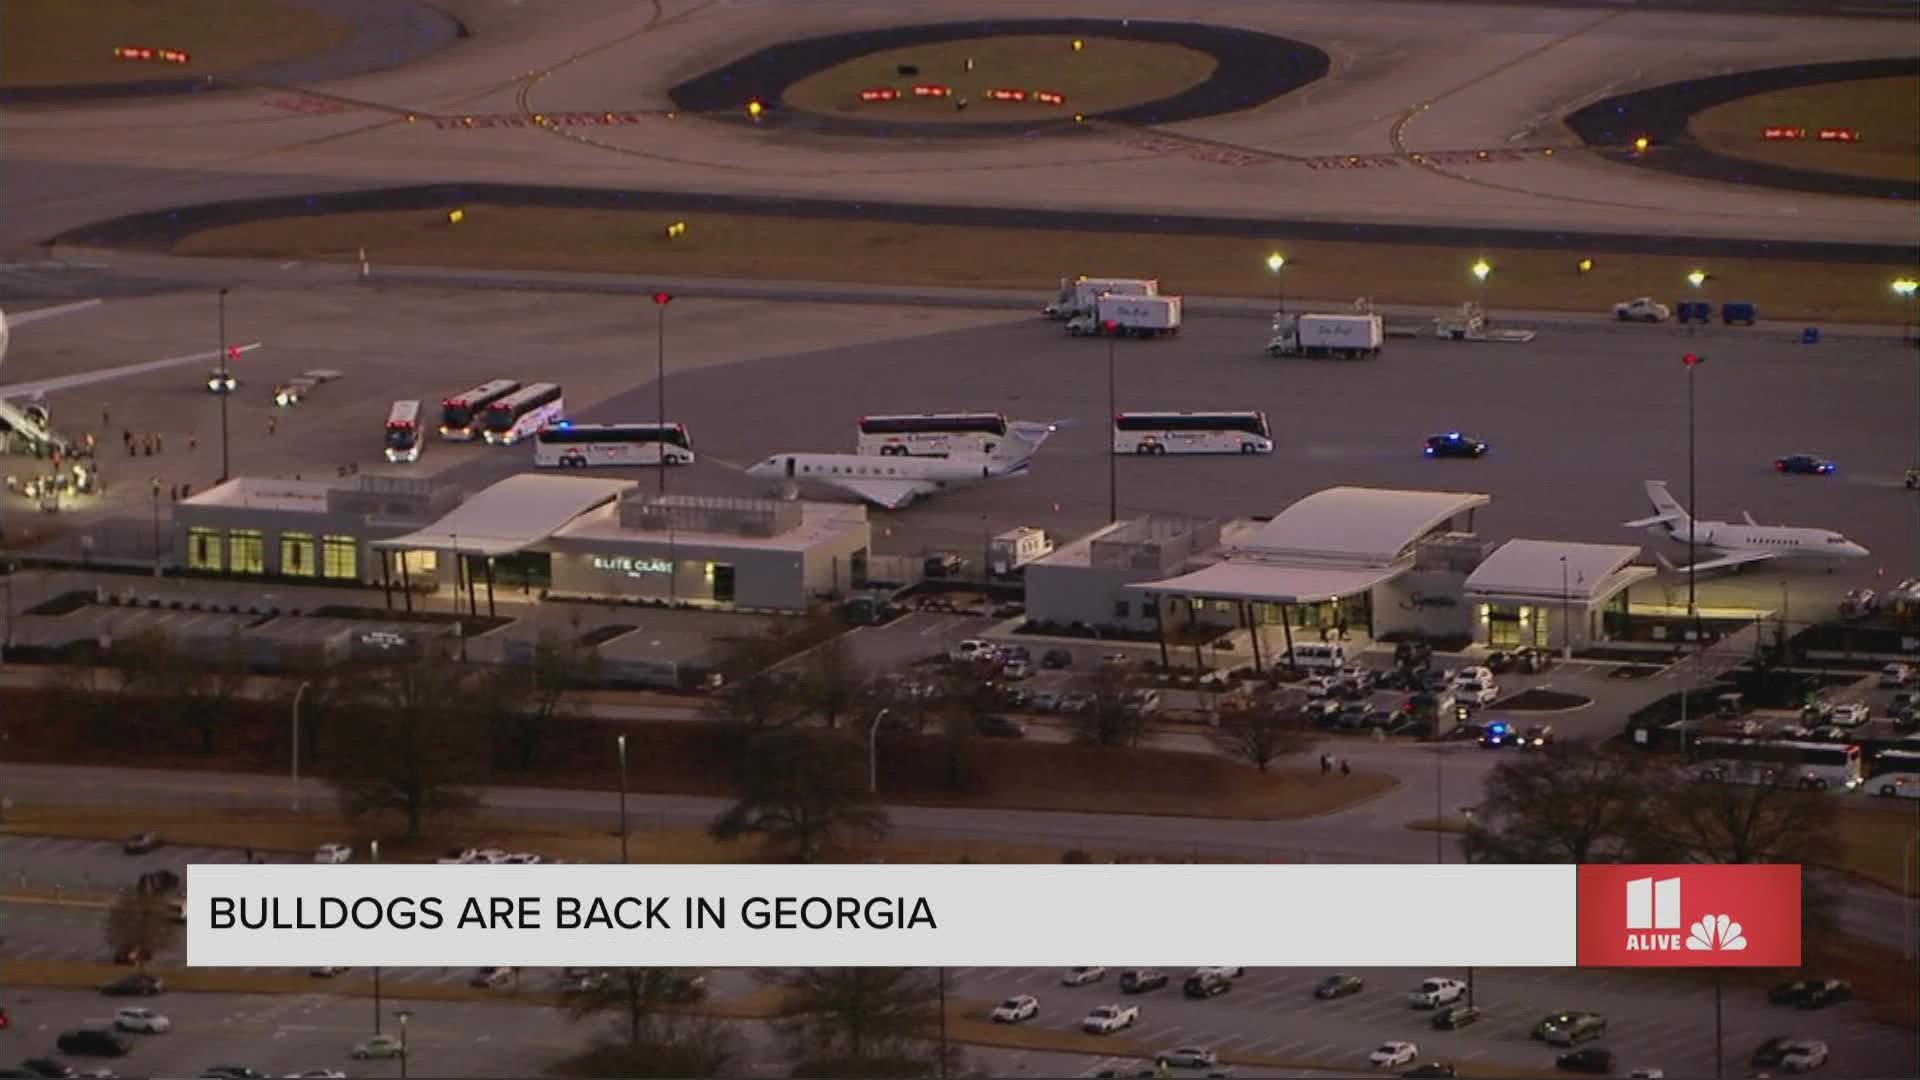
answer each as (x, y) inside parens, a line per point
(1454, 444)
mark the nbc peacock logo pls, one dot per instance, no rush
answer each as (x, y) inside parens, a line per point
(1716, 933)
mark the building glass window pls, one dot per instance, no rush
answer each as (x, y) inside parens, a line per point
(246, 551)
(1121, 609)
(296, 554)
(205, 550)
(340, 557)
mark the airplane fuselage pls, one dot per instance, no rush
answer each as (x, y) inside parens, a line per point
(1786, 541)
(831, 467)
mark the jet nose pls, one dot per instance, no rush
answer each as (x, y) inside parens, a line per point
(1858, 551)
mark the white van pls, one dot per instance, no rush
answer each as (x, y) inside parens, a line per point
(1316, 657)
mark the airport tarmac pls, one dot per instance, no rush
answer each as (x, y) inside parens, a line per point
(1577, 421)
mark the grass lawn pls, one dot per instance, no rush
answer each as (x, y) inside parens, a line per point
(1886, 112)
(744, 246)
(1106, 74)
(60, 42)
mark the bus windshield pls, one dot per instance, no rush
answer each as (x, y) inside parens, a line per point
(402, 436)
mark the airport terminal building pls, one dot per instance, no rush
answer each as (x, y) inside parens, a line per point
(1346, 561)
(528, 535)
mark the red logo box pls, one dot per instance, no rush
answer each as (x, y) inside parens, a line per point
(1689, 916)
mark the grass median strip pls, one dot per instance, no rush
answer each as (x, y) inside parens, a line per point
(872, 252)
(1884, 113)
(71, 42)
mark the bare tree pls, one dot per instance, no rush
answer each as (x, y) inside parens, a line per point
(803, 791)
(141, 924)
(832, 682)
(406, 742)
(1768, 822)
(1262, 733)
(1112, 718)
(1572, 802)
(669, 1047)
(634, 993)
(859, 1021)
(200, 688)
(529, 701)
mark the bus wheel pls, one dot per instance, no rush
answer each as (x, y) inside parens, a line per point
(1888, 790)
(1247, 448)
(1143, 448)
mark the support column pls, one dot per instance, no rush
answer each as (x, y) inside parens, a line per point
(466, 571)
(1286, 631)
(386, 576)
(489, 588)
(1160, 631)
(406, 583)
(1253, 634)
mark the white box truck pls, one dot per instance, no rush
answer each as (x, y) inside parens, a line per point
(1015, 548)
(1129, 316)
(1344, 336)
(1078, 296)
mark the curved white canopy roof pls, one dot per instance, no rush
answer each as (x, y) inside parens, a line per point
(1359, 524)
(510, 516)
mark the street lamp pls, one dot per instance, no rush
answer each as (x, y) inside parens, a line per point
(1696, 278)
(1905, 288)
(873, 752)
(1481, 269)
(156, 526)
(226, 376)
(660, 302)
(1277, 262)
(373, 847)
(298, 693)
(620, 741)
(1439, 816)
(404, 1015)
(1692, 361)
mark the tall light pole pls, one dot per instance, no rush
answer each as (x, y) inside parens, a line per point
(226, 376)
(404, 1015)
(298, 693)
(620, 741)
(1277, 262)
(1692, 361)
(156, 526)
(660, 302)
(873, 752)
(1439, 815)
(1696, 278)
(1113, 465)
(373, 847)
(1481, 269)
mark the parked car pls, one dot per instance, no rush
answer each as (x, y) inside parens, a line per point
(93, 1042)
(1587, 1059)
(1454, 1017)
(46, 1067)
(1642, 309)
(1559, 1019)
(136, 985)
(1805, 465)
(1584, 1028)
(488, 978)
(1850, 715)
(331, 854)
(380, 1046)
(1107, 1019)
(1769, 1054)
(1338, 986)
(1081, 976)
(158, 883)
(1434, 993)
(1895, 676)
(973, 651)
(1804, 1056)
(1016, 670)
(1016, 1009)
(134, 1018)
(1141, 980)
(1390, 1055)
(1537, 737)
(1206, 985)
(141, 843)
(1056, 659)
(1188, 1057)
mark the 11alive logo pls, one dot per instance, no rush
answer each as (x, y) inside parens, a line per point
(1689, 916)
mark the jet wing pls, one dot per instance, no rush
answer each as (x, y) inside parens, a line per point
(87, 378)
(1738, 558)
(22, 318)
(891, 494)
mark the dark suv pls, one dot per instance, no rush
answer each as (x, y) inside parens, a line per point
(92, 1042)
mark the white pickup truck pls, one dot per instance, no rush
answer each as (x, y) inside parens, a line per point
(1107, 1019)
(1642, 309)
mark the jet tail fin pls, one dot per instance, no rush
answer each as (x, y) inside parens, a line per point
(1747, 515)
(1024, 438)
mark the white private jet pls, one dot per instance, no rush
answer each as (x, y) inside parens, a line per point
(893, 482)
(31, 419)
(1742, 543)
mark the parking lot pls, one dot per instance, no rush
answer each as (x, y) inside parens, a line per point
(1652, 1021)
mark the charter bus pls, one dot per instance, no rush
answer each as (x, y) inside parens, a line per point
(932, 434)
(1896, 774)
(567, 445)
(523, 412)
(403, 431)
(459, 413)
(1814, 765)
(1192, 433)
